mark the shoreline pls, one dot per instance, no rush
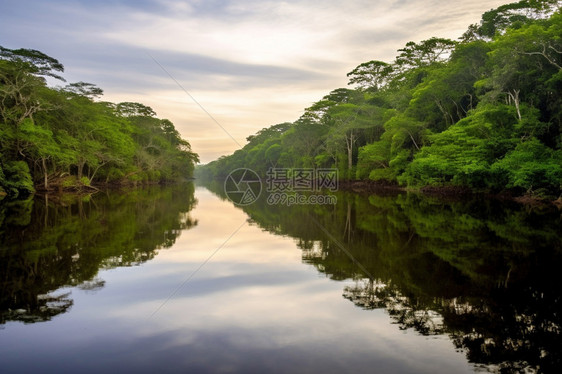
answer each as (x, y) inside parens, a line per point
(446, 192)
(58, 190)
(355, 186)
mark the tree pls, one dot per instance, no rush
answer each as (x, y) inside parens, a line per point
(22, 96)
(426, 53)
(447, 93)
(33, 62)
(272, 132)
(520, 58)
(532, 167)
(131, 109)
(19, 101)
(304, 141)
(463, 154)
(371, 76)
(88, 90)
(498, 20)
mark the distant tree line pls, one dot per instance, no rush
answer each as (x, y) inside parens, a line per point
(66, 138)
(483, 112)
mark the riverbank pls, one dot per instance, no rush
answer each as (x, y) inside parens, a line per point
(75, 186)
(58, 190)
(449, 192)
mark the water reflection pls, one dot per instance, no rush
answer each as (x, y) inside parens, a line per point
(49, 243)
(483, 272)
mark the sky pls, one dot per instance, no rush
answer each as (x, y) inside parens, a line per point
(223, 70)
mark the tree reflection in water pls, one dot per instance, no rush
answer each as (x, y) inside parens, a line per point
(483, 272)
(52, 242)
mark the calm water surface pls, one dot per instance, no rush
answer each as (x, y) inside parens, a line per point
(180, 280)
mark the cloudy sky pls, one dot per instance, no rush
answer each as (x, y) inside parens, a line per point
(250, 64)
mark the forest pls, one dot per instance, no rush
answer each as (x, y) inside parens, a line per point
(483, 113)
(65, 138)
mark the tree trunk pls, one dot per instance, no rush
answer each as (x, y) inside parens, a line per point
(95, 171)
(349, 142)
(411, 137)
(515, 97)
(45, 175)
(80, 169)
(46, 220)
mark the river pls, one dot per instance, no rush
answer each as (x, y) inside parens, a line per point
(179, 279)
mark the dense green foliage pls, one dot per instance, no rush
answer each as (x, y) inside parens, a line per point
(484, 112)
(64, 137)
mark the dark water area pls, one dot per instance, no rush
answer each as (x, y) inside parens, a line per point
(179, 279)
